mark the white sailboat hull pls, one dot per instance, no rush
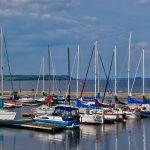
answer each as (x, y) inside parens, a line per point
(43, 109)
(91, 119)
(6, 115)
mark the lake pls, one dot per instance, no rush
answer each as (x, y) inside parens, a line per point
(62, 85)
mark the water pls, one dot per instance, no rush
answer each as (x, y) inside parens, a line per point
(89, 86)
(130, 135)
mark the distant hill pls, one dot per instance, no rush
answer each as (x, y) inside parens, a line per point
(35, 77)
(57, 77)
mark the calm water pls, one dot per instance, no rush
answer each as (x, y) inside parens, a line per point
(130, 135)
(89, 86)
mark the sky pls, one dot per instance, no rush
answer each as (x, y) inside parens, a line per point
(29, 26)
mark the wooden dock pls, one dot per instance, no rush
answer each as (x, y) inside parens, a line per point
(29, 124)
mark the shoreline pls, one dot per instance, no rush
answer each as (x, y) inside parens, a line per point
(120, 95)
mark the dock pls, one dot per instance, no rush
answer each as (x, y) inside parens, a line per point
(29, 124)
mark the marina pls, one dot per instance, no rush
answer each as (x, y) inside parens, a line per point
(92, 120)
(74, 75)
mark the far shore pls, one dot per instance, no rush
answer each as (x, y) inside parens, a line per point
(120, 95)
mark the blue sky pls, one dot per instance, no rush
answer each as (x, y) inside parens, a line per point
(30, 25)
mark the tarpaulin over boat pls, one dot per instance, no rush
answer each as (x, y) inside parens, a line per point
(87, 98)
(131, 101)
(80, 104)
(66, 108)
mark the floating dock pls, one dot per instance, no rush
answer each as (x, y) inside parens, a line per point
(29, 124)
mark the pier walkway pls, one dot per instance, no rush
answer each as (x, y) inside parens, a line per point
(29, 124)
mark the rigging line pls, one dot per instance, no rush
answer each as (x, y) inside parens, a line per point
(105, 72)
(87, 72)
(108, 77)
(8, 63)
(37, 87)
(53, 71)
(136, 73)
(55, 84)
(70, 77)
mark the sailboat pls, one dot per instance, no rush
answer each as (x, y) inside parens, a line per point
(4, 114)
(97, 94)
(55, 96)
(88, 111)
(117, 101)
(132, 110)
(12, 102)
(145, 100)
(111, 111)
(95, 103)
(130, 100)
(44, 99)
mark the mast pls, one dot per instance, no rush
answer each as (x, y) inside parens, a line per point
(115, 73)
(2, 71)
(69, 75)
(49, 68)
(78, 61)
(43, 74)
(143, 74)
(95, 67)
(129, 93)
(53, 79)
(98, 73)
(53, 72)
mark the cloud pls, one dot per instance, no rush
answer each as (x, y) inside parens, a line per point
(58, 18)
(142, 45)
(37, 3)
(139, 46)
(90, 18)
(8, 12)
(25, 7)
(143, 1)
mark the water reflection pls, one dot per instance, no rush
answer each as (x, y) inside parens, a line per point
(36, 140)
(133, 134)
(129, 135)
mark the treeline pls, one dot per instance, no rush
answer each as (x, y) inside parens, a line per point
(35, 77)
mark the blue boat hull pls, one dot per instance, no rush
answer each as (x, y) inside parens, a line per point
(74, 123)
(144, 114)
